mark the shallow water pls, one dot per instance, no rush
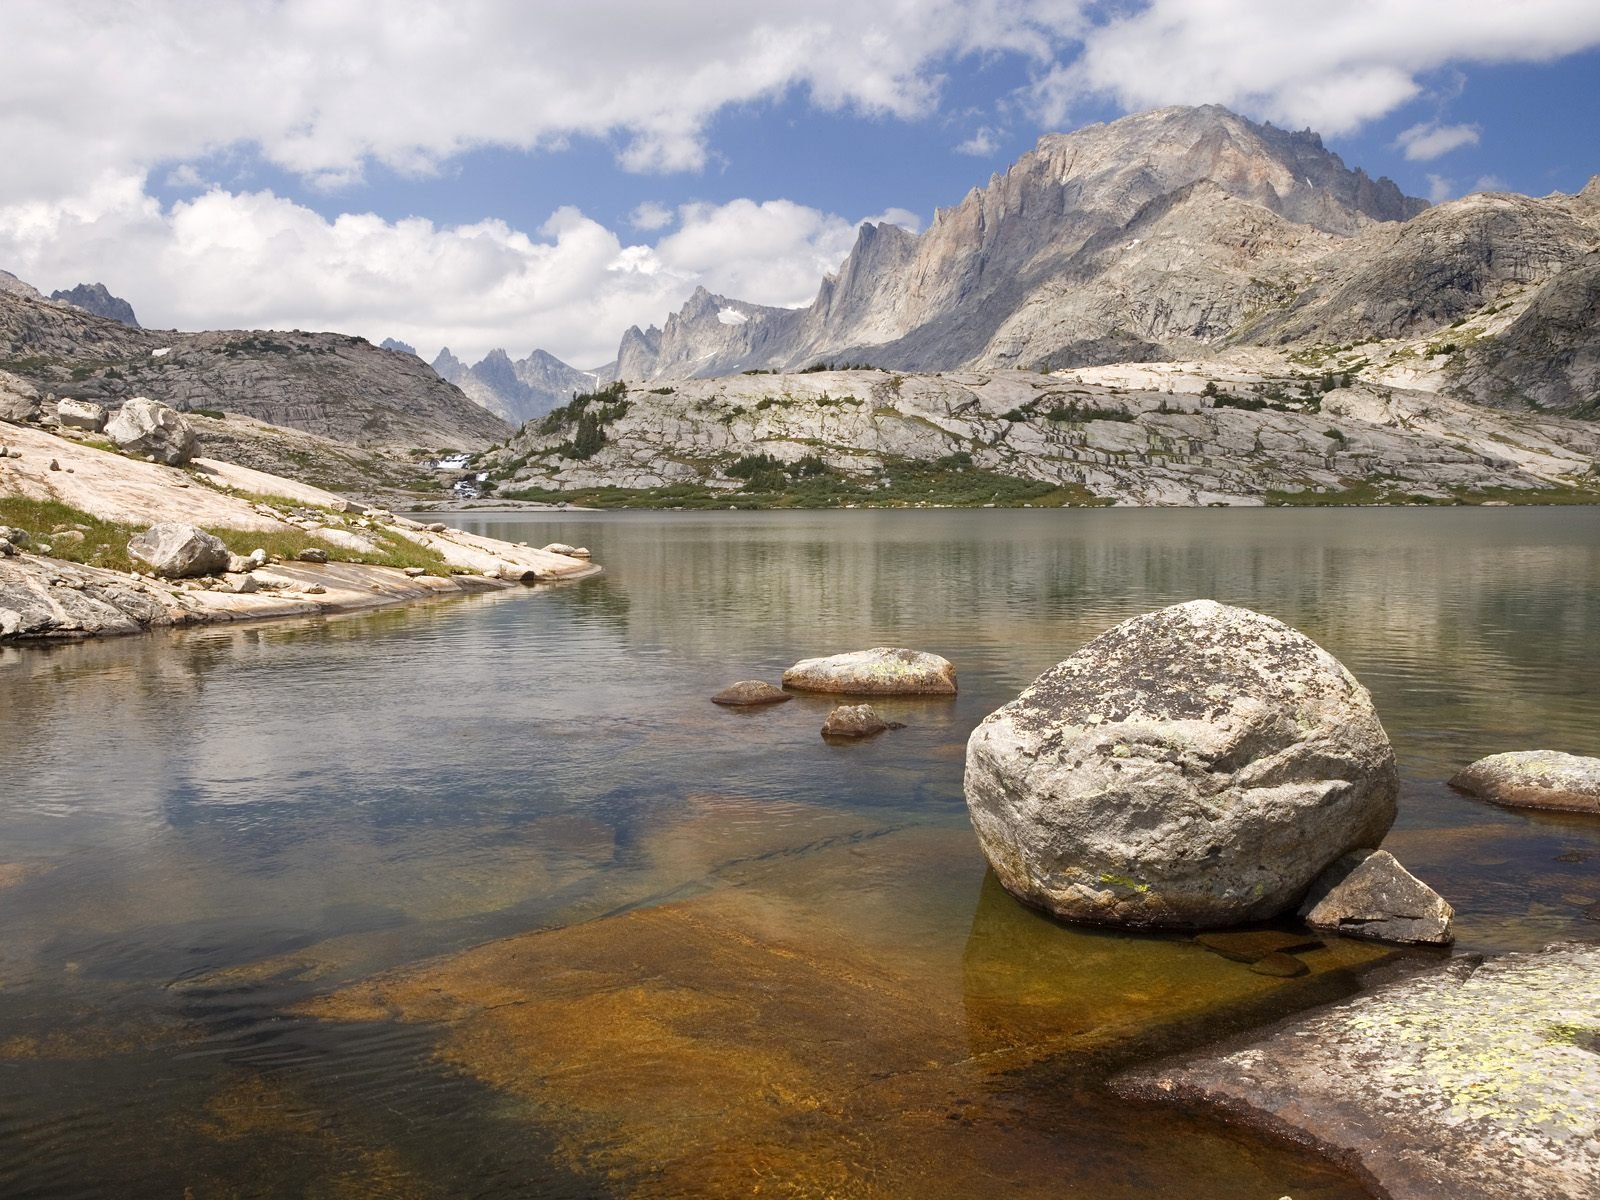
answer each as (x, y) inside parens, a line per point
(483, 898)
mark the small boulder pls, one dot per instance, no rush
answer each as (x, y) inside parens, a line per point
(415, 572)
(258, 558)
(559, 548)
(239, 584)
(750, 691)
(436, 527)
(14, 535)
(1534, 779)
(854, 721)
(174, 550)
(1192, 768)
(238, 564)
(313, 554)
(145, 426)
(1368, 894)
(881, 671)
(81, 414)
(7, 550)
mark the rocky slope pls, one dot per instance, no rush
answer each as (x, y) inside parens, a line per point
(324, 383)
(1256, 428)
(515, 390)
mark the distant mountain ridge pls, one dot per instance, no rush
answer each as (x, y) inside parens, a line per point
(515, 390)
(96, 298)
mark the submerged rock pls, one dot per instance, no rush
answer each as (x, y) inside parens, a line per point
(750, 691)
(1534, 779)
(1252, 945)
(145, 426)
(1368, 894)
(854, 721)
(174, 550)
(1191, 768)
(1475, 1081)
(881, 671)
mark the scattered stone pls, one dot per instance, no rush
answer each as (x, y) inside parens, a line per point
(559, 548)
(881, 671)
(6, 548)
(145, 426)
(1280, 966)
(1479, 1080)
(413, 572)
(258, 557)
(81, 414)
(750, 691)
(54, 465)
(1252, 945)
(436, 527)
(1368, 894)
(238, 563)
(313, 554)
(68, 537)
(175, 550)
(854, 721)
(580, 552)
(1194, 767)
(14, 535)
(240, 584)
(1534, 779)
(314, 589)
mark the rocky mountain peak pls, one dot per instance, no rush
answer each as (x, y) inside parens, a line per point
(397, 346)
(96, 298)
(11, 285)
(448, 367)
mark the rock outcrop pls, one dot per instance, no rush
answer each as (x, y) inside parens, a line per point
(881, 671)
(1194, 767)
(174, 550)
(1534, 779)
(146, 426)
(1368, 894)
(1474, 1081)
(749, 692)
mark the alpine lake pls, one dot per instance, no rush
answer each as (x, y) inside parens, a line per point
(484, 898)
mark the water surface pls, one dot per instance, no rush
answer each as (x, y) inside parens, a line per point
(483, 898)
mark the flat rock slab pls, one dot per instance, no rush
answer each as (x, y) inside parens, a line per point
(881, 671)
(1476, 1081)
(1534, 779)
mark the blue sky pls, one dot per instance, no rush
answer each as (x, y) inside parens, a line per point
(491, 173)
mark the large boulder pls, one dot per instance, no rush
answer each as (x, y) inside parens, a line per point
(881, 671)
(1192, 768)
(1534, 779)
(174, 550)
(81, 414)
(19, 399)
(145, 426)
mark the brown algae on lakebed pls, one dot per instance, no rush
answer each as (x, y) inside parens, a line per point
(803, 1029)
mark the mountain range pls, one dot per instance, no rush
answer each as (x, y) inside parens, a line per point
(516, 390)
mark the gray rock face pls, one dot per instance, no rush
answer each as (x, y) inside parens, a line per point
(750, 692)
(174, 550)
(854, 721)
(881, 671)
(1194, 767)
(96, 298)
(19, 399)
(145, 426)
(516, 390)
(1534, 779)
(1370, 895)
(81, 414)
(1475, 1081)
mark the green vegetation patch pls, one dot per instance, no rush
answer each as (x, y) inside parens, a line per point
(104, 544)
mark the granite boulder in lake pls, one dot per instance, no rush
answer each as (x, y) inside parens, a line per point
(881, 671)
(1369, 894)
(854, 721)
(748, 692)
(1193, 767)
(1534, 779)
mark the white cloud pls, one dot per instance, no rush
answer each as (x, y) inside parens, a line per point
(1332, 67)
(650, 216)
(323, 87)
(1430, 140)
(1489, 183)
(1441, 189)
(258, 260)
(980, 145)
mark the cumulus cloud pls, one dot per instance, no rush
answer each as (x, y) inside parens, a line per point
(259, 260)
(1333, 67)
(650, 216)
(980, 145)
(1430, 140)
(324, 87)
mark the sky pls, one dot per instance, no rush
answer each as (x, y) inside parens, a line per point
(529, 174)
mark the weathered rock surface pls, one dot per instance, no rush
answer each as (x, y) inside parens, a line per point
(854, 721)
(749, 692)
(1534, 779)
(1476, 1081)
(174, 550)
(81, 414)
(881, 671)
(1368, 894)
(19, 399)
(43, 598)
(1194, 767)
(145, 426)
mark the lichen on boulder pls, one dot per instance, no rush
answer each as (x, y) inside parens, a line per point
(1546, 779)
(1194, 767)
(881, 671)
